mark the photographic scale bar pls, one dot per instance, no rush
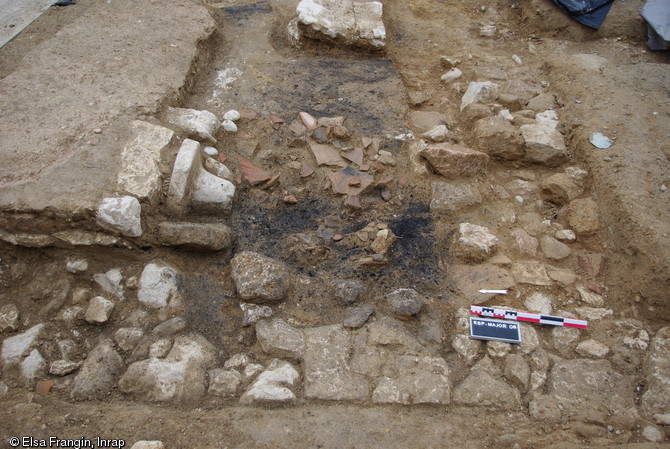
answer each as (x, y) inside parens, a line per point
(529, 317)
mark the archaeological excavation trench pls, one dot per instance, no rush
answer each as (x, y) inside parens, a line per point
(289, 223)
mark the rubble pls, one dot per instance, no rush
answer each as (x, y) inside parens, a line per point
(273, 384)
(454, 160)
(181, 376)
(259, 278)
(405, 302)
(473, 243)
(122, 215)
(200, 125)
(159, 286)
(97, 376)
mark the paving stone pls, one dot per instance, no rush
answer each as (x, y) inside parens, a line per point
(224, 382)
(466, 347)
(498, 138)
(553, 249)
(9, 318)
(181, 376)
(480, 388)
(497, 349)
(420, 380)
(159, 285)
(122, 215)
(525, 243)
(593, 349)
(391, 334)
(563, 276)
(99, 310)
(279, 339)
(480, 92)
(347, 291)
(63, 367)
(356, 317)
(452, 196)
(473, 243)
(98, 374)
(326, 364)
(583, 216)
(581, 385)
(199, 125)
(529, 339)
(530, 272)
(201, 236)
(405, 302)
(259, 278)
(656, 397)
(517, 371)
(140, 173)
(538, 302)
(16, 347)
(470, 279)
(273, 385)
(544, 144)
(452, 160)
(565, 339)
(593, 313)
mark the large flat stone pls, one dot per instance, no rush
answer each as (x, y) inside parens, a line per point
(326, 362)
(582, 385)
(140, 174)
(343, 22)
(64, 154)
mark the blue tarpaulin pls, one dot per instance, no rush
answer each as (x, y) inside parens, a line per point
(591, 13)
(657, 15)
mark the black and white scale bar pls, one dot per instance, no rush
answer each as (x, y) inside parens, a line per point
(530, 317)
(488, 329)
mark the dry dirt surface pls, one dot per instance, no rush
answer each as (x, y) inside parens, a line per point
(583, 234)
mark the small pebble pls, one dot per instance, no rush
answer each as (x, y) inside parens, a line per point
(97, 130)
(232, 115)
(211, 151)
(229, 126)
(607, 159)
(663, 188)
(517, 59)
(451, 75)
(519, 199)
